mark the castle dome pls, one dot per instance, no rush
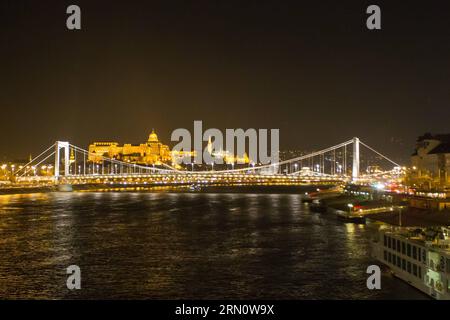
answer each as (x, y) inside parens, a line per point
(153, 137)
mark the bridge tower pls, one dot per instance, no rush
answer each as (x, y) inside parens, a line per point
(355, 169)
(58, 146)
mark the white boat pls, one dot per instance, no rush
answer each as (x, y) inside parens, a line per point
(420, 257)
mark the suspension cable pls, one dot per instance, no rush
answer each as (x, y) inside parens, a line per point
(43, 152)
(379, 154)
(51, 154)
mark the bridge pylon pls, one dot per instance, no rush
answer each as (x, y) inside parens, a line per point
(58, 146)
(355, 168)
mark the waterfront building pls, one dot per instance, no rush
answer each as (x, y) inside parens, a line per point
(149, 153)
(430, 200)
(429, 174)
(431, 162)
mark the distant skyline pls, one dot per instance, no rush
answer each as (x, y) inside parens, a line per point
(312, 70)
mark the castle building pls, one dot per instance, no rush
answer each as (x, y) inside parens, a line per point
(148, 153)
(226, 156)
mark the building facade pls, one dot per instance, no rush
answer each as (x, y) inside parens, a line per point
(148, 153)
(153, 152)
(225, 156)
(431, 162)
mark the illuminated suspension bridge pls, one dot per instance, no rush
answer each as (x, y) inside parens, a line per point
(339, 163)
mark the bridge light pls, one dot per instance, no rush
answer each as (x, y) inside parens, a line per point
(380, 186)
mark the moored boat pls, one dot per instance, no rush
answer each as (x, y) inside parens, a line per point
(421, 257)
(350, 217)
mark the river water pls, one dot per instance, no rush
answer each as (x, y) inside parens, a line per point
(164, 245)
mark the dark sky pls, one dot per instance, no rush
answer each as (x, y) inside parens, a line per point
(309, 68)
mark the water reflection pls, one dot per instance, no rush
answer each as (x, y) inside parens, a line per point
(182, 245)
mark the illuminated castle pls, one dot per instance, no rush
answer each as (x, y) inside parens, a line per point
(150, 152)
(226, 156)
(153, 152)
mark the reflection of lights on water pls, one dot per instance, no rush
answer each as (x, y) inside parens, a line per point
(134, 195)
(214, 195)
(9, 198)
(293, 201)
(114, 195)
(350, 227)
(97, 195)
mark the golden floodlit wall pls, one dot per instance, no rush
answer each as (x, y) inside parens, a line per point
(151, 152)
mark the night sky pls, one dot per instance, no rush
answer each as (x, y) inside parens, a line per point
(310, 68)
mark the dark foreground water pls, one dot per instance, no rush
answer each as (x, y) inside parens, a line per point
(181, 245)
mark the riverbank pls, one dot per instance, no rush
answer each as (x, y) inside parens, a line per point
(236, 188)
(27, 190)
(357, 208)
(413, 217)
